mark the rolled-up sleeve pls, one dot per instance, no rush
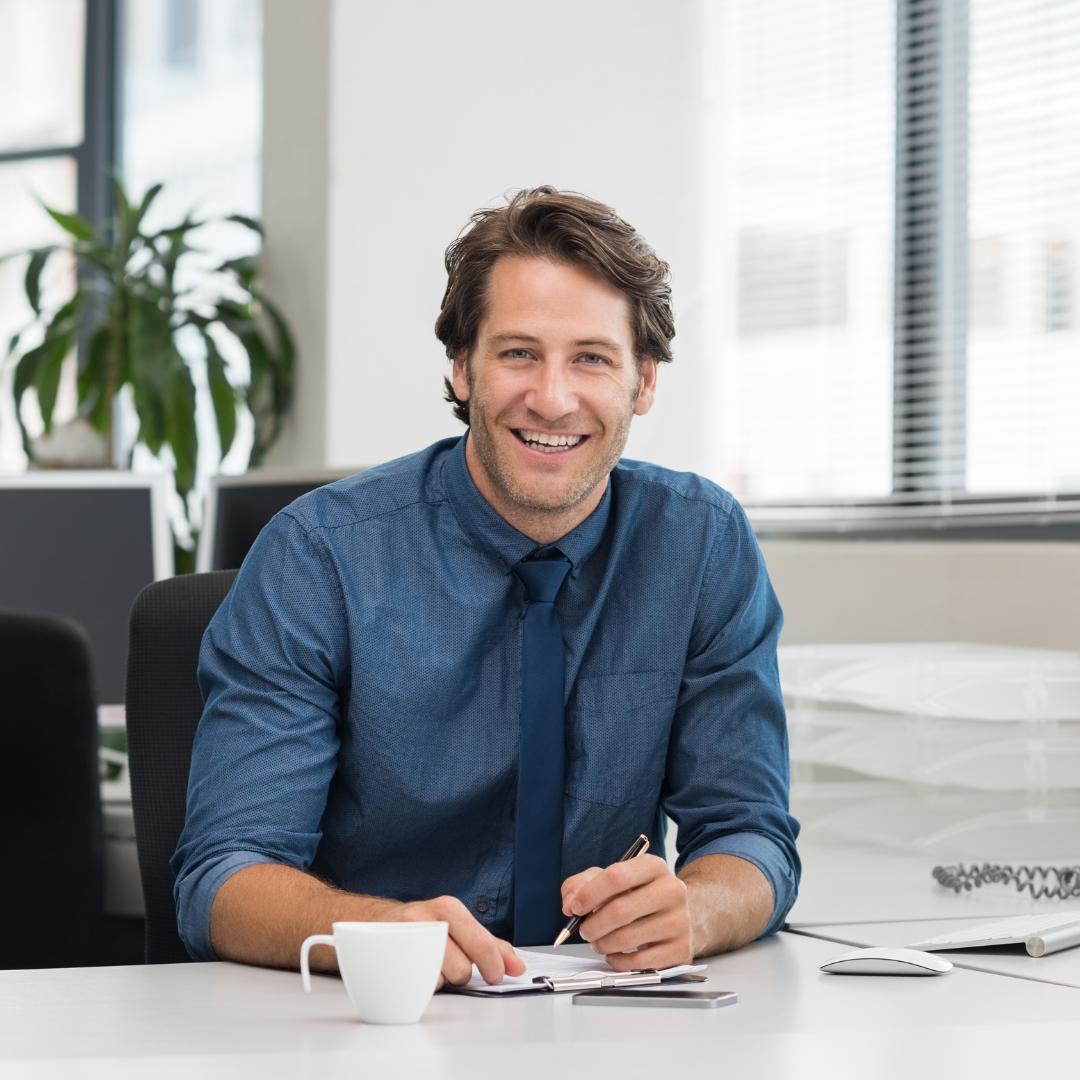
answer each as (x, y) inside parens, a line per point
(271, 670)
(727, 776)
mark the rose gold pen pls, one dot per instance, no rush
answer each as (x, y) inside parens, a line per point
(638, 847)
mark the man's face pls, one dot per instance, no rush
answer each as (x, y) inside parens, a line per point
(552, 385)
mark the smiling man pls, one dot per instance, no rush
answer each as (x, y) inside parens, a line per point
(458, 685)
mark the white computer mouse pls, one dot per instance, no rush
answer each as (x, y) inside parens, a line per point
(886, 961)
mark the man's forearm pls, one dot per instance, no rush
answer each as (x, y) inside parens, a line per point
(262, 914)
(730, 903)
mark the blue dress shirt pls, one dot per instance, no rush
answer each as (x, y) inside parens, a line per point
(362, 683)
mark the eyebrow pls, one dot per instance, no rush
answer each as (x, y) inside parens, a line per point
(601, 343)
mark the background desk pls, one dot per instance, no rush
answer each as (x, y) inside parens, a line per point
(205, 1021)
(851, 884)
(1062, 968)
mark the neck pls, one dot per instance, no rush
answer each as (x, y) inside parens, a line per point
(543, 526)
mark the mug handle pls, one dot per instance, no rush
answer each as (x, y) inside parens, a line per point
(315, 939)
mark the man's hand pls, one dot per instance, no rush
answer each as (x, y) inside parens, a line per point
(717, 903)
(638, 904)
(469, 943)
(262, 914)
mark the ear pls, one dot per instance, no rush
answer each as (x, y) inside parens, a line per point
(647, 393)
(460, 377)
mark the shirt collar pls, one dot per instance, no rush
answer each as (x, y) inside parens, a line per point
(490, 531)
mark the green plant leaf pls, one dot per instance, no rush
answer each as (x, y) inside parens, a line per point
(47, 375)
(67, 317)
(147, 199)
(275, 365)
(123, 207)
(153, 358)
(286, 345)
(250, 223)
(244, 269)
(25, 370)
(23, 376)
(180, 427)
(222, 394)
(78, 227)
(93, 379)
(32, 282)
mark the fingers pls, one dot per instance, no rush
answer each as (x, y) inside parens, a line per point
(662, 955)
(616, 879)
(468, 943)
(572, 884)
(456, 967)
(665, 927)
(636, 907)
(666, 894)
(513, 963)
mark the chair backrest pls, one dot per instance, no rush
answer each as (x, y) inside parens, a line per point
(164, 706)
(52, 895)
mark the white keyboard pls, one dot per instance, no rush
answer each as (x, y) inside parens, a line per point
(1041, 934)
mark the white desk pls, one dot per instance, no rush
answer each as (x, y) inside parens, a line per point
(204, 1021)
(1062, 968)
(850, 884)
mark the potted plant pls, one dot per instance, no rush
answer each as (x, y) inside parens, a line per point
(125, 317)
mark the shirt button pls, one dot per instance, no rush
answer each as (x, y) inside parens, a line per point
(482, 906)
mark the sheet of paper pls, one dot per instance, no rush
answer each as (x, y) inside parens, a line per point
(556, 966)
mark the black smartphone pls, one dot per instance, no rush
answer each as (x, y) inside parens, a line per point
(657, 997)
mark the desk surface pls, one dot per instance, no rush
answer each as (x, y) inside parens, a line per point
(851, 884)
(1062, 968)
(205, 1021)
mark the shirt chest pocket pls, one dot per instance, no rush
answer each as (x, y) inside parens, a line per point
(618, 728)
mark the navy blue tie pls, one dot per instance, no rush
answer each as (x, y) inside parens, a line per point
(538, 829)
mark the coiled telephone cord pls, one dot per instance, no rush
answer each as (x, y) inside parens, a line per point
(1060, 882)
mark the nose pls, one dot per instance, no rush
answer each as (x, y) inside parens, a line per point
(551, 396)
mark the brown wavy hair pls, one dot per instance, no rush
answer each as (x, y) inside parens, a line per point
(563, 227)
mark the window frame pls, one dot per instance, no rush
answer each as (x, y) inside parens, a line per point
(931, 322)
(96, 155)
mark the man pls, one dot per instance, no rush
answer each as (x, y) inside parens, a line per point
(457, 686)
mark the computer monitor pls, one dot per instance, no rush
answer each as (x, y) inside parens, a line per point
(239, 507)
(83, 544)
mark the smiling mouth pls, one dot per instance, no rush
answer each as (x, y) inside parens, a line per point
(548, 444)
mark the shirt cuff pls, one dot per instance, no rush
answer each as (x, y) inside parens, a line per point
(769, 858)
(195, 894)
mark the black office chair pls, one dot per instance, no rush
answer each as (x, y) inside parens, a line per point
(163, 710)
(51, 903)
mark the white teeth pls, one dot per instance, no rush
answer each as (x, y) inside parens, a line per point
(550, 444)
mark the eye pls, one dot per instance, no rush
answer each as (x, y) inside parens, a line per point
(518, 354)
(593, 359)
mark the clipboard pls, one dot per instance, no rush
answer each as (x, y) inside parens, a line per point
(547, 985)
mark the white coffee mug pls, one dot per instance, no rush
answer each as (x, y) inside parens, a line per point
(390, 969)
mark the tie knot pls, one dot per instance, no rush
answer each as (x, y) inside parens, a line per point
(543, 577)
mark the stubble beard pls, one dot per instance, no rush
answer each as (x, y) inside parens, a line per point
(501, 474)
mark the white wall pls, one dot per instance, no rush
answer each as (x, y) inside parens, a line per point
(1004, 593)
(296, 186)
(387, 124)
(436, 109)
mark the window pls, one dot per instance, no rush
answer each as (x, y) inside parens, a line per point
(809, 219)
(192, 111)
(169, 90)
(1024, 218)
(901, 239)
(55, 143)
(192, 120)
